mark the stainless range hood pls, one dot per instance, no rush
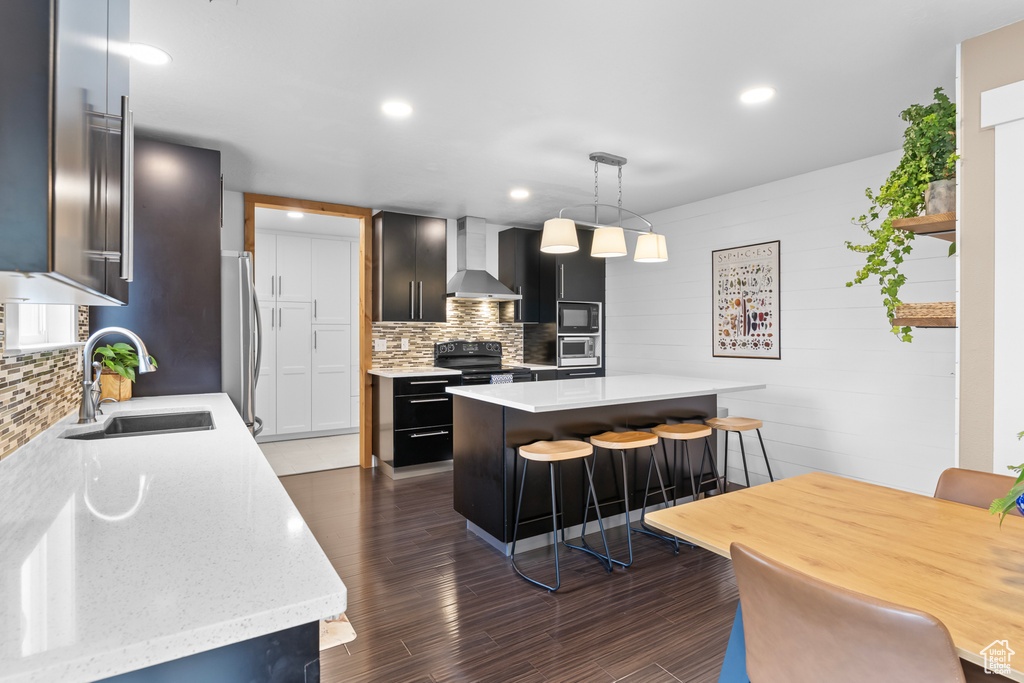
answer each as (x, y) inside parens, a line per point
(471, 280)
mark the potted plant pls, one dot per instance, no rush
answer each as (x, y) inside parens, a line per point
(119, 362)
(929, 155)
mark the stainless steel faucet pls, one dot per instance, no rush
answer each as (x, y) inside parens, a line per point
(91, 371)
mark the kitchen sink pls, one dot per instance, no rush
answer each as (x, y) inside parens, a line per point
(145, 425)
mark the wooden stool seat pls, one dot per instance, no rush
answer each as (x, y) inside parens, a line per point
(623, 440)
(682, 431)
(734, 424)
(554, 451)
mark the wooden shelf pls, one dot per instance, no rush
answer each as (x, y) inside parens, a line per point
(942, 314)
(941, 225)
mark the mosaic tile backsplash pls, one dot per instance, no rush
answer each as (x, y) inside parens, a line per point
(467, 319)
(38, 389)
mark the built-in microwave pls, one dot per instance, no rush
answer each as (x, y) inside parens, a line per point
(577, 351)
(579, 317)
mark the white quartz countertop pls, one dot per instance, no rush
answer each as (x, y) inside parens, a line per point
(411, 371)
(570, 394)
(118, 554)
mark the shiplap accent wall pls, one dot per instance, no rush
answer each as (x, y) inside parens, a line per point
(847, 397)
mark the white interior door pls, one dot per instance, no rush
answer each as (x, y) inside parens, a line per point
(332, 295)
(266, 266)
(266, 384)
(294, 281)
(331, 373)
(294, 367)
(354, 351)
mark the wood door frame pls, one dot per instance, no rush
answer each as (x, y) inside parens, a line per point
(264, 201)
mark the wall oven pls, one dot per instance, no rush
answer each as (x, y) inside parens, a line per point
(579, 317)
(579, 351)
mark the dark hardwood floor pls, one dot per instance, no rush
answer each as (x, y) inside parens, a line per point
(431, 602)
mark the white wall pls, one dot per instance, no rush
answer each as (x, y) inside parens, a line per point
(232, 234)
(847, 397)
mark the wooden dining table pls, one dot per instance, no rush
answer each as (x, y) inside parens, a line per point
(951, 560)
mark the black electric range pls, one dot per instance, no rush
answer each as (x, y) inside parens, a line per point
(479, 362)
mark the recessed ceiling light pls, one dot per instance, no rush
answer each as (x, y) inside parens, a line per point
(519, 193)
(396, 108)
(294, 214)
(755, 95)
(147, 54)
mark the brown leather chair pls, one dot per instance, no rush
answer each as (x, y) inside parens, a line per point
(972, 487)
(799, 629)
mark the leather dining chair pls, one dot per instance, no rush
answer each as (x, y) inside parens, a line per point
(972, 487)
(799, 629)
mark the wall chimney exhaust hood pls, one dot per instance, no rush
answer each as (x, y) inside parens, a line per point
(471, 280)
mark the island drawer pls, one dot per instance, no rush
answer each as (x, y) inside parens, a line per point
(578, 373)
(417, 446)
(426, 384)
(423, 410)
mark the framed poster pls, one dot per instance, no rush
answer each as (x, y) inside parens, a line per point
(745, 283)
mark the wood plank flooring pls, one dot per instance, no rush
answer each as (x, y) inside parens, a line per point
(433, 603)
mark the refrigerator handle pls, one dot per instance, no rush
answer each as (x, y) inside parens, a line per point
(259, 337)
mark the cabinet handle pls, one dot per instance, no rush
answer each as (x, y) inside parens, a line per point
(421, 299)
(562, 287)
(314, 340)
(272, 294)
(428, 400)
(517, 308)
(127, 180)
(581, 374)
(314, 309)
(432, 381)
(417, 436)
(280, 285)
(412, 301)
(271, 318)
(280, 318)
(222, 200)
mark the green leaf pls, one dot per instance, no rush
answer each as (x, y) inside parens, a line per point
(952, 248)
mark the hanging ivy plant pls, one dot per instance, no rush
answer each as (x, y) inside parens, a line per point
(929, 153)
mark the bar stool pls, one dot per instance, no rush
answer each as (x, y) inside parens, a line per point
(553, 452)
(685, 432)
(623, 441)
(739, 425)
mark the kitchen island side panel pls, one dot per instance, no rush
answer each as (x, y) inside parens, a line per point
(487, 472)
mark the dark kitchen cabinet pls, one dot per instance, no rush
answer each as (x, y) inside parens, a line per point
(410, 268)
(579, 373)
(577, 276)
(412, 418)
(519, 270)
(176, 302)
(65, 151)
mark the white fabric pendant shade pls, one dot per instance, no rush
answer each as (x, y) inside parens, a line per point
(559, 236)
(651, 248)
(609, 242)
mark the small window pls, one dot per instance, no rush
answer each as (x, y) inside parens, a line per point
(38, 326)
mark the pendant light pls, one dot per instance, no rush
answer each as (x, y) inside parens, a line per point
(559, 235)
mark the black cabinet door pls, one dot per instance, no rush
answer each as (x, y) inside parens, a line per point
(580, 373)
(117, 88)
(394, 263)
(580, 276)
(431, 269)
(80, 143)
(519, 270)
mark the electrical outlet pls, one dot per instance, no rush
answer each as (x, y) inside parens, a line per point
(405, 344)
(380, 344)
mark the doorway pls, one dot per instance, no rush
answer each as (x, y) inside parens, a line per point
(299, 241)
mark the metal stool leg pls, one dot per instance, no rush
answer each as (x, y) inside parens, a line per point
(644, 529)
(606, 560)
(554, 518)
(710, 456)
(746, 472)
(625, 502)
(765, 454)
(725, 465)
(694, 486)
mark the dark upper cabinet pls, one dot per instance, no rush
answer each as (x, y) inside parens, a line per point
(64, 147)
(579, 276)
(410, 267)
(518, 269)
(176, 294)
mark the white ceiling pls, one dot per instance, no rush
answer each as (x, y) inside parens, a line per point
(518, 93)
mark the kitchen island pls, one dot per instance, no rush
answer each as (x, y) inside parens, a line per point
(159, 557)
(492, 421)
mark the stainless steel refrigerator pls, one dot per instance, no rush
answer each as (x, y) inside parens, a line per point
(241, 335)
